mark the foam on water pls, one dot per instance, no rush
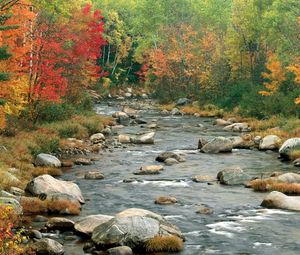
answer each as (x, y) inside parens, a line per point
(164, 183)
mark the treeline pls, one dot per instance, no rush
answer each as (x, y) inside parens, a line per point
(242, 55)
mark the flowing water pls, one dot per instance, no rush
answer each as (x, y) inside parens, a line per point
(237, 226)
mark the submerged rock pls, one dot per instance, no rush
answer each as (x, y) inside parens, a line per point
(278, 200)
(166, 155)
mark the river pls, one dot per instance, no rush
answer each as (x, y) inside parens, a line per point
(238, 225)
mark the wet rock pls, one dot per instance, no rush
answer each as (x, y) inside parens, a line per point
(233, 176)
(270, 142)
(182, 101)
(204, 210)
(58, 223)
(165, 200)
(296, 162)
(16, 191)
(141, 121)
(204, 179)
(165, 155)
(47, 160)
(46, 246)
(290, 145)
(46, 184)
(278, 200)
(171, 161)
(35, 234)
(40, 218)
(83, 161)
(129, 111)
(133, 228)
(238, 127)
(124, 139)
(221, 123)
(201, 142)
(175, 111)
(144, 139)
(129, 180)
(93, 175)
(152, 126)
(145, 170)
(87, 224)
(7, 201)
(217, 145)
(120, 250)
(97, 138)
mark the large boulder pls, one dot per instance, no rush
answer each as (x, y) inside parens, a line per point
(144, 139)
(133, 228)
(97, 138)
(46, 184)
(270, 142)
(46, 246)
(278, 200)
(87, 224)
(233, 176)
(9, 201)
(217, 145)
(238, 127)
(288, 147)
(47, 160)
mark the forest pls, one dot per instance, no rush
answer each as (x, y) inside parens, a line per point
(232, 63)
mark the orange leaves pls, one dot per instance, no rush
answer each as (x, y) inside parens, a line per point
(295, 68)
(2, 118)
(276, 75)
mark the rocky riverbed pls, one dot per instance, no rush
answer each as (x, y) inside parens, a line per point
(213, 218)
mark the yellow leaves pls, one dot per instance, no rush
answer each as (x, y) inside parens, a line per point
(2, 118)
(295, 68)
(276, 75)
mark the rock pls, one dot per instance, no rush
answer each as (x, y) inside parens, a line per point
(16, 191)
(257, 139)
(127, 94)
(124, 139)
(171, 161)
(165, 155)
(288, 147)
(165, 200)
(204, 179)
(240, 143)
(270, 142)
(144, 96)
(87, 224)
(67, 163)
(40, 218)
(83, 161)
(175, 111)
(119, 114)
(4, 193)
(182, 101)
(46, 184)
(93, 175)
(129, 180)
(233, 176)
(46, 246)
(278, 200)
(141, 121)
(155, 169)
(232, 120)
(144, 139)
(129, 111)
(238, 127)
(7, 201)
(289, 178)
(106, 131)
(97, 138)
(201, 142)
(58, 223)
(122, 118)
(35, 234)
(204, 210)
(217, 145)
(276, 174)
(47, 160)
(296, 162)
(221, 123)
(164, 112)
(152, 126)
(120, 250)
(133, 228)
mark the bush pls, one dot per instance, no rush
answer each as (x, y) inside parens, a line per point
(45, 142)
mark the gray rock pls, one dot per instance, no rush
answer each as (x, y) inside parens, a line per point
(182, 101)
(7, 201)
(201, 142)
(238, 127)
(175, 111)
(46, 246)
(217, 145)
(240, 143)
(106, 131)
(141, 121)
(233, 176)
(270, 142)
(87, 224)
(144, 139)
(133, 228)
(17, 191)
(121, 250)
(278, 200)
(35, 234)
(171, 161)
(204, 179)
(97, 138)
(288, 147)
(57, 223)
(47, 160)
(165, 155)
(46, 184)
(83, 162)
(4, 193)
(93, 175)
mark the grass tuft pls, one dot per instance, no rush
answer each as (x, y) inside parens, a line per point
(164, 244)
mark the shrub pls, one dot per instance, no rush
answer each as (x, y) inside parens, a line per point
(164, 244)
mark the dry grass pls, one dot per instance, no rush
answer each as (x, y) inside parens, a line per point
(260, 184)
(37, 171)
(34, 205)
(264, 185)
(205, 111)
(164, 244)
(167, 107)
(294, 155)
